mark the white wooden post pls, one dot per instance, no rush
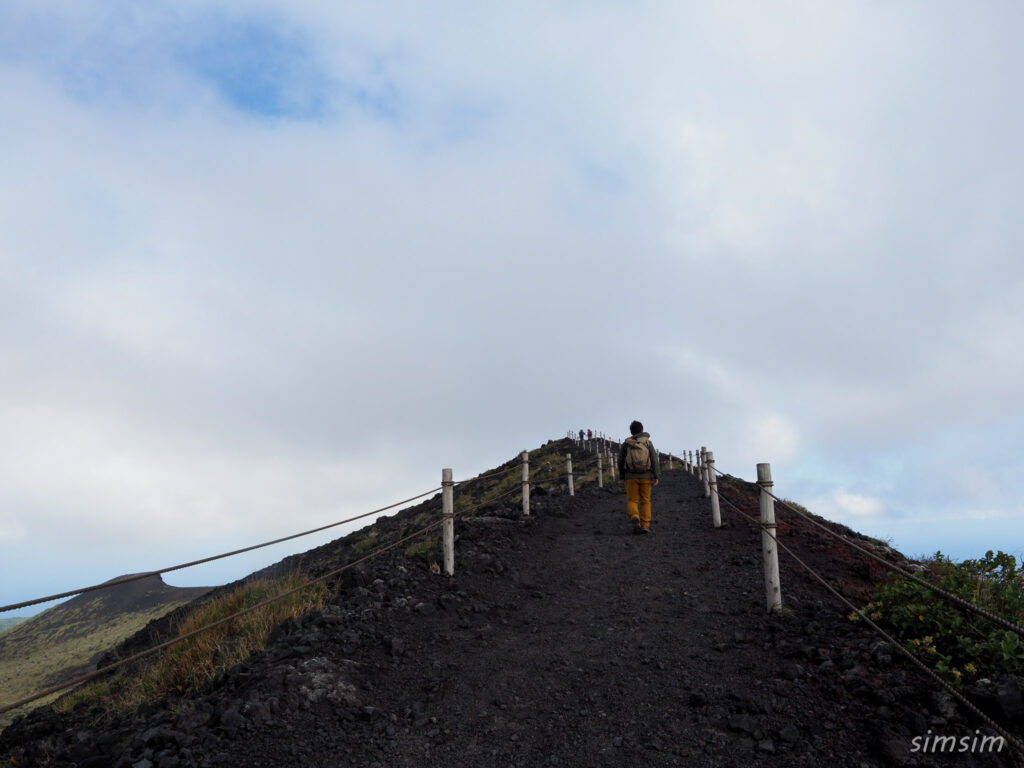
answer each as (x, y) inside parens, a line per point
(716, 512)
(769, 550)
(704, 471)
(568, 472)
(670, 460)
(600, 471)
(448, 524)
(612, 461)
(526, 483)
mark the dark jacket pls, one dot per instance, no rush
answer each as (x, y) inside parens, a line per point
(653, 473)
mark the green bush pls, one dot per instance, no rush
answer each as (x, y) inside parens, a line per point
(958, 643)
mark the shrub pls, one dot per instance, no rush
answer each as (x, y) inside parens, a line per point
(959, 643)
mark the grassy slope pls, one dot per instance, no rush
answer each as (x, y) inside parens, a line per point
(61, 642)
(8, 623)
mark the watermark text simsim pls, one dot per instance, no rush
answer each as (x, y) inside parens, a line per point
(975, 743)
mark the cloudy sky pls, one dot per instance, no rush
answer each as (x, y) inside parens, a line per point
(265, 265)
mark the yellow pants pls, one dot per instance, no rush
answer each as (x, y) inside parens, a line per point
(638, 499)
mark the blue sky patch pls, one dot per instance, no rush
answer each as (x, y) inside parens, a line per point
(262, 66)
(258, 68)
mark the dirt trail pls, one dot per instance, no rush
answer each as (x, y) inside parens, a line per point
(569, 641)
(562, 640)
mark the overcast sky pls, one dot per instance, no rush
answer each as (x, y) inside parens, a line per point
(267, 265)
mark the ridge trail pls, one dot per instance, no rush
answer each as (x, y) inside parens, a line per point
(562, 640)
(566, 640)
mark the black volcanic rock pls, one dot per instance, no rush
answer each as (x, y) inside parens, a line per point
(552, 646)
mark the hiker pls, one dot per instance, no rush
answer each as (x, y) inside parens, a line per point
(588, 434)
(639, 467)
(581, 437)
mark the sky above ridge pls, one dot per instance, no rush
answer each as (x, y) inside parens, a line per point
(266, 265)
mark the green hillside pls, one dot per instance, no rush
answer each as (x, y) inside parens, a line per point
(64, 641)
(8, 623)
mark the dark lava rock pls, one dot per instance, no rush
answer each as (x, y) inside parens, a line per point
(550, 646)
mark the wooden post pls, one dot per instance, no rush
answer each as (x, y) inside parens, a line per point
(568, 472)
(769, 550)
(670, 461)
(600, 470)
(704, 471)
(716, 512)
(526, 483)
(448, 524)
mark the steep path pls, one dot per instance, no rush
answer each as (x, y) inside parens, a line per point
(568, 641)
(563, 640)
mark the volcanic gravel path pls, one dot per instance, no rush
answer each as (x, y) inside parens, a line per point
(562, 640)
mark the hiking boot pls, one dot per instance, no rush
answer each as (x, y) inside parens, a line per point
(636, 524)
(644, 529)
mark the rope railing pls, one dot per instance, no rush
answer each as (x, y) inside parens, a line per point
(532, 478)
(967, 604)
(85, 678)
(969, 705)
(170, 569)
(552, 469)
(496, 473)
(148, 574)
(487, 502)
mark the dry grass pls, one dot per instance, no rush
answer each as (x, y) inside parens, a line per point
(191, 664)
(27, 668)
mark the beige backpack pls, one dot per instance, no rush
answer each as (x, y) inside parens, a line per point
(638, 455)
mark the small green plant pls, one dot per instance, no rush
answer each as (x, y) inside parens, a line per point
(364, 544)
(422, 549)
(961, 644)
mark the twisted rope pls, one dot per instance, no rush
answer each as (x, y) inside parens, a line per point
(157, 648)
(148, 574)
(993, 617)
(491, 474)
(917, 662)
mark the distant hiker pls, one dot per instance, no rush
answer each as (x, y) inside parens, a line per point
(588, 434)
(638, 465)
(581, 435)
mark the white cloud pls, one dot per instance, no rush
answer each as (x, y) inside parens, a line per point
(790, 242)
(12, 531)
(857, 505)
(775, 436)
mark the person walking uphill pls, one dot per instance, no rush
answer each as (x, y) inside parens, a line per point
(639, 466)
